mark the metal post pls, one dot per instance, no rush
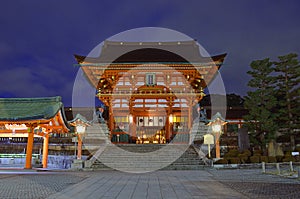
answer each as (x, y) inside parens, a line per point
(278, 168)
(291, 166)
(263, 164)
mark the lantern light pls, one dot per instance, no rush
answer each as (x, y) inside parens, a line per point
(171, 118)
(216, 128)
(130, 118)
(80, 129)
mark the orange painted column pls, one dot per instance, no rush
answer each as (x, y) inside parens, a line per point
(45, 151)
(218, 155)
(79, 147)
(132, 128)
(168, 126)
(190, 115)
(28, 161)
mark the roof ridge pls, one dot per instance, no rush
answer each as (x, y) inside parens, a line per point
(18, 109)
(107, 42)
(36, 99)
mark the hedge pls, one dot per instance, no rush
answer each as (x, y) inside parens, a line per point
(254, 159)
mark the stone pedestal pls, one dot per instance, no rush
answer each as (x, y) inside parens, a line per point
(77, 164)
(88, 163)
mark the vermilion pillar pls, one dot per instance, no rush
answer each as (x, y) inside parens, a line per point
(45, 151)
(218, 155)
(79, 147)
(28, 164)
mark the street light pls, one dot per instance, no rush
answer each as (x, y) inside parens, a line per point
(171, 118)
(80, 123)
(216, 122)
(216, 127)
(80, 129)
(130, 118)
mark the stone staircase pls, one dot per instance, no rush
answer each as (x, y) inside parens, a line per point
(145, 158)
(198, 130)
(96, 135)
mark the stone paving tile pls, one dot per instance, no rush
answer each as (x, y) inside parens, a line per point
(266, 190)
(129, 188)
(253, 184)
(36, 186)
(209, 183)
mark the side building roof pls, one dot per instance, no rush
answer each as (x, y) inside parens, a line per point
(21, 109)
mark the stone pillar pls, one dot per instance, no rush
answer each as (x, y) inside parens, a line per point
(243, 139)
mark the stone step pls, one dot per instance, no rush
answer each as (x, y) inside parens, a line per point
(130, 157)
(96, 135)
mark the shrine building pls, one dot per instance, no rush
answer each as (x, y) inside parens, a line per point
(150, 88)
(32, 118)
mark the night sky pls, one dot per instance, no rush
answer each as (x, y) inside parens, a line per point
(38, 38)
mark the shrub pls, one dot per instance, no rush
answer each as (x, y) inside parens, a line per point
(288, 153)
(221, 161)
(288, 159)
(257, 153)
(234, 160)
(247, 153)
(279, 158)
(264, 159)
(254, 159)
(243, 158)
(232, 153)
(272, 159)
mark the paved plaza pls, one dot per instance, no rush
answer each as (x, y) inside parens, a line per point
(207, 183)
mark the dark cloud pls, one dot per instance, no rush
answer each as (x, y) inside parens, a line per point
(38, 38)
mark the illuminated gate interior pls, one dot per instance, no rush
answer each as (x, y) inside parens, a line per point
(150, 92)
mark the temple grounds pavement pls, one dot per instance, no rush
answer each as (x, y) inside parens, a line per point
(206, 183)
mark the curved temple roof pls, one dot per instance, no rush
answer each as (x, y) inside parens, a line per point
(117, 56)
(179, 51)
(21, 109)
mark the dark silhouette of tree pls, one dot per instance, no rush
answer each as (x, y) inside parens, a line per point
(287, 81)
(233, 100)
(261, 102)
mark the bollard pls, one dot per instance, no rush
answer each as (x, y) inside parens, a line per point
(278, 168)
(263, 164)
(291, 166)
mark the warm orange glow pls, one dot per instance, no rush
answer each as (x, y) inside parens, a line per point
(170, 118)
(14, 127)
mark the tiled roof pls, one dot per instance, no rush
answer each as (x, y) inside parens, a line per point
(128, 52)
(80, 118)
(20, 109)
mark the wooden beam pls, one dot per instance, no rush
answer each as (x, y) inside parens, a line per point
(22, 134)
